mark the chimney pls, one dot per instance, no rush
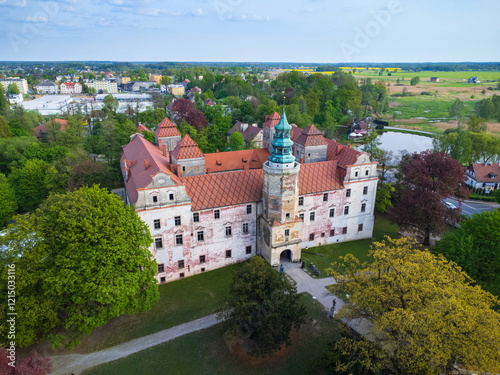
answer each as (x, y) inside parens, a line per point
(170, 156)
(350, 146)
(245, 167)
(146, 163)
(160, 143)
(217, 151)
(164, 149)
(179, 170)
(301, 160)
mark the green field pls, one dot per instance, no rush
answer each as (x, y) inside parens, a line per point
(206, 352)
(448, 76)
(425, 108)
(331, 253)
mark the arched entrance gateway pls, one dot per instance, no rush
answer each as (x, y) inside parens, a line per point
(286, 256)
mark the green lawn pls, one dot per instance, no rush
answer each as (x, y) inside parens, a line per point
(205, 352)
(331, 253)
(443, 76)
(180, 301)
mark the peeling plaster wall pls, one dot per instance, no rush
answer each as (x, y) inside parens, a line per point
(215, 242)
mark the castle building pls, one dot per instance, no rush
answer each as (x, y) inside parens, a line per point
(206, 211)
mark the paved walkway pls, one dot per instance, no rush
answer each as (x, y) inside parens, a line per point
(76, 363)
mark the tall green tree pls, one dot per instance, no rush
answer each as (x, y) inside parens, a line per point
(12, 89)
(236, 141)
(8, 205)
(4, 128)
(33, 182)
(81, 259)
(263, 306)
(475, 247)
(110, 104)
(419, 309)
(4, 104)
(476, 124)
(456, 111)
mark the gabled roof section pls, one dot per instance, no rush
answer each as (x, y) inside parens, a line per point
(166, 128)
(251, 133)
(187, 149)
(485, 173)
(135, 152)
(224, 189)
(311, 136)
(141, 128)
(319, 177)
(342, 154)
(272, 120)
(236, 160)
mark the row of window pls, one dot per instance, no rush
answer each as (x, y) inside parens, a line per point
(312, 215)
(325, 195)
(332, 232)
(367, 172)
(170, 197)
(180, 263)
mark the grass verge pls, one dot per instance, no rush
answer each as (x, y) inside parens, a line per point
(331, 253)
(205, 352)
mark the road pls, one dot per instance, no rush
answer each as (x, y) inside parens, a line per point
(470, 208)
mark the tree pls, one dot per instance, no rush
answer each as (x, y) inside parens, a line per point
(420, 309)
(149, 135)
(236, 141)
(429, 178)
(476, 124)
(484, 146)
(8, 205)
(33, 182)
(32, 365)
(4, 128)
(183, 109)
(475, 247)
(384, 158)
(88, 173)
(263, 306)
(12, 89)
(383, 200)
(110, 104)
(415, 81)
(4, 104)
(372, 143)
(456, 111)
(81, 259)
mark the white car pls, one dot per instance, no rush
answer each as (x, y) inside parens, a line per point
(450, 205)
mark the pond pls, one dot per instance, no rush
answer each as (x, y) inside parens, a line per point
(396, 142)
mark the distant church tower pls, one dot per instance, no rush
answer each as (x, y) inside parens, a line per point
(281, 228)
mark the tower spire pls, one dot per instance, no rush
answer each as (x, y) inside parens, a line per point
(282, 143)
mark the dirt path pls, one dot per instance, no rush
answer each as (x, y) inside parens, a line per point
(76, 363)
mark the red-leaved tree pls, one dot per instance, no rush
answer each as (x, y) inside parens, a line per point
(33, 365)
(429, 178)
(183, 109)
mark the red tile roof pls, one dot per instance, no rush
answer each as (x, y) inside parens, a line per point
(186, 149)
(166, 128)
(319, 177)
(235, 160)
(342, 154)
(272, 120)
(135, 152)
(141, 128)
(224, 189)
(69, 84)
(43, 127)
(482, 172)
(311, 136)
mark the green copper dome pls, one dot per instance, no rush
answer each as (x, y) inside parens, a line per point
(282, 144)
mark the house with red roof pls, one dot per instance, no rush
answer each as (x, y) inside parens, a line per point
(71, 88)
(206, 211)
(252, 134)
(483, 175)
(41, 130)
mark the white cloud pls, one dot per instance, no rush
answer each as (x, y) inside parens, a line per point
(18, 3)
(153, 12)
(244, 17)
(36, 19)
(198, 12)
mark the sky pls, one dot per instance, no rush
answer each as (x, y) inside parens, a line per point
(302, 31)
